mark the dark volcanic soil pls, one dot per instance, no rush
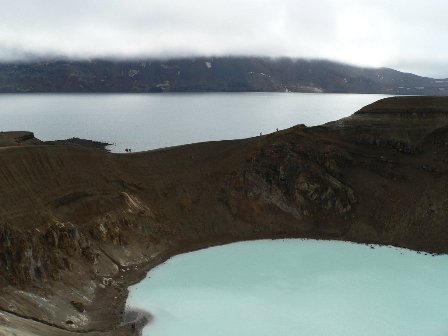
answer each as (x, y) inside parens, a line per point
(78, 225)
(81, 142)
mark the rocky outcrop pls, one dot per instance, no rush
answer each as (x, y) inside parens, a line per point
(397, 123)
(292, 176)
(17, 139)
(78, 225)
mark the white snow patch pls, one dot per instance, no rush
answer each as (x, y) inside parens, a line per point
(132, 73)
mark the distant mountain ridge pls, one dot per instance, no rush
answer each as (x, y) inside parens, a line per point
(212, 74)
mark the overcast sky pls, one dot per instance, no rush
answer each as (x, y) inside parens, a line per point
(408, 35)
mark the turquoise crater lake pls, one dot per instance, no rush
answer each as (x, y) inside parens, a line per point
(296, 287)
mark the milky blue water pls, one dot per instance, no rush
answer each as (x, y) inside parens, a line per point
(297, 287)
(149, 121)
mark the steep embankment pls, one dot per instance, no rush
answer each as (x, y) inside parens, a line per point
(77, 225)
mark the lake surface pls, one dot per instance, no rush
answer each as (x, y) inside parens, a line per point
(149, 121)
(297, 287)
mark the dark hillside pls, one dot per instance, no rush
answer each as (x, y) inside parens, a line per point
(226, 74)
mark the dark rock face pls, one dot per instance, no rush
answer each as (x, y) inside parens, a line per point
(214, 74)
(81, 142)
(78, 225)
(79, 306)
(292, 176)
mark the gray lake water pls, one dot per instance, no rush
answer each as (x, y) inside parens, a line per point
(149, 121)
(297, 287)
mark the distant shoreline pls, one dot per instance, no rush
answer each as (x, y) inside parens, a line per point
(210, 74)
(81, 142)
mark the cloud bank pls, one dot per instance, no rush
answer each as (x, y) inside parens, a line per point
(407, 35)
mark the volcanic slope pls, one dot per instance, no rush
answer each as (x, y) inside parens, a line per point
(78, 225)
